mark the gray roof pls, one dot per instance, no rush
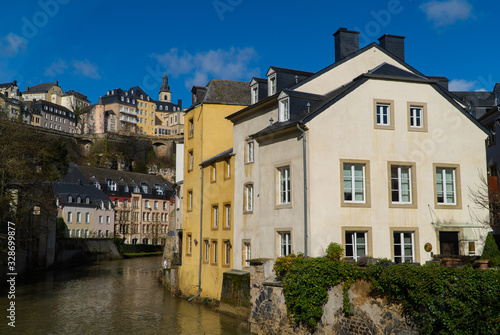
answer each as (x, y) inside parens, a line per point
(88, 174)
(227, 92)
(40, 88)
(478, 98)
(222, 155)
(63, 190)
(7, 85)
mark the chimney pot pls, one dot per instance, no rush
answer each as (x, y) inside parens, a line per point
(394, 44)
(346, 43)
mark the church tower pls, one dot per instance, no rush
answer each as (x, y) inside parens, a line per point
(165, 95)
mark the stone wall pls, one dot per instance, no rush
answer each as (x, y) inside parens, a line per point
(370, 315)
(82, 251)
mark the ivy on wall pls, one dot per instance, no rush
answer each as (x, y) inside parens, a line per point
(438, 300)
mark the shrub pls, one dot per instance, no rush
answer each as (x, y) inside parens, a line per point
(334, 251)
(285, 263)
(491, 251)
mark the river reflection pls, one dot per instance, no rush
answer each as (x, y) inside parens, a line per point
(118, 297)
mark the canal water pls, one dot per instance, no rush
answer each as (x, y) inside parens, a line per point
(116, 297)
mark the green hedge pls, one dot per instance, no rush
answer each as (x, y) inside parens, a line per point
(438, 300)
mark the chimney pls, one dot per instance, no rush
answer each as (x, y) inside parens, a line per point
(57, 83)
(15, 82)
(394, 44)
(179, 103)
(346, 43)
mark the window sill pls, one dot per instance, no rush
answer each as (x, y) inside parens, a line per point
(383, 127)
(443, 206)
(417, 129)
(248, 163)
(283, 206)
(398, 205)
(355, 204)
(247, 212)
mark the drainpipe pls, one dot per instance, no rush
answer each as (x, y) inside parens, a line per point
(175, 218)
(201, 239)
(305, 183)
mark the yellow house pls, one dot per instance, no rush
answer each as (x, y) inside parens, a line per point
(209, 187)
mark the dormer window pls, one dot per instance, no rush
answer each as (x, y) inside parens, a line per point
(272, 85)
(111, 185)
(144, 188)
(102, 205)
(78, 200)
(122, 98)
(284, 110)
(255, 94)
(159, 189)
(70, 198)
(126, 190)
(87, 200)
(97, 185)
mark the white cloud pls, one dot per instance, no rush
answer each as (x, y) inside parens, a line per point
(232, 64)
(57, 67)
(86, 68)
(12, 44)
(462, 85)
(444, 13)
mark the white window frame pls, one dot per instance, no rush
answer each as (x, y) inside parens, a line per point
(255, 94)
(70, 216)
(87, 217)
(215, 216)
(380, 114)
(284, 243)
(189, 246)
(355, 244)
(284, 185)
(215, 246)
(352, 182)
(191, 160)
(227, 215)
(284, 110)
(272, 85)
(78, 217)
(248, 198)
(206, 244)
(414, 117)
(403, 257)
(250, 151)
(443, 185)
(399, 183)
(227, 253)
(248, 251)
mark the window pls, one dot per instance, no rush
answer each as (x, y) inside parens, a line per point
(384, 114)
(144, 188)
(190, 200)
(214, 252)
(284, 110)
(417, 116)
(191, 160)
(472, 247)
(255, 94)
(70, 216)
(146, 203)
(125, 203)
(447, 181)
(249, 152)
(227, 216)
(355, 186)
(78, 217)
(401, 184)
(215, 217)
(189, 244)
(284, 185)
(108, 219)
(87, 217)
(214, 172)
(191, 128)
(227, 168)
(246, 253)
(227, 253)
(100, 219)
(248, 198)
(272, 85)
(285, 243)
(155, 205)
(207, 250)
(111, 185)
(355, 244)
(403, 247)
(97, 185)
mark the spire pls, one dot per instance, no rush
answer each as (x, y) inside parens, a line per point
(164, 87)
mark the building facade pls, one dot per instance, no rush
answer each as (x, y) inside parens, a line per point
(208, 187)
(142, 202)
(368, 153)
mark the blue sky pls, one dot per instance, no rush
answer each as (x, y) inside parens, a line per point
(94, 46)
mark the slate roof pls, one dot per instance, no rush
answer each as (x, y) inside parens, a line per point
(39, 103)
(76, 94)
(63, 190)
(291, 71)
(7, 85)
(478, 98)
(40, 88)
(90, 175)
(222, 155)
(227, 92)
(384, 71)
